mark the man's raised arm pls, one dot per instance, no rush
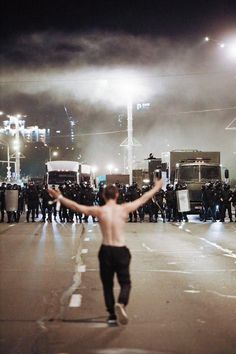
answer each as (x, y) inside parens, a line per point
(88, 210)
(132, 206)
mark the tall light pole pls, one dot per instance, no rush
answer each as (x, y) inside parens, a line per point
(130, 139)
(17, 147)
(8, 164)
(8, 159)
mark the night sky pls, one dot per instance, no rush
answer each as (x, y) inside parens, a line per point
(76, 54)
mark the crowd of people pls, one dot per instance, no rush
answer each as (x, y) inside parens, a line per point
(34, 202)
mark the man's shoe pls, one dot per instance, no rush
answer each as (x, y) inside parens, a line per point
(112, 320)
(121, 314)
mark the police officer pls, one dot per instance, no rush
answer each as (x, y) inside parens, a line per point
(122, 192)
(217, 203)
(99, 197)
(32, 201)
(2, 201)
(20, 203)
(77, 199)
(159, 206)
(234, 202)
(171, 203)
(10, 207)
(181, 215)
(46, 206)
(208, 198)
(87, 198)
(72, 194)
(64, 212)
(226, 199)
(132, 194)
(148, 207)
(54, 207)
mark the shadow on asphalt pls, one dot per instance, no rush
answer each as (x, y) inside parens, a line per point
(100, 319)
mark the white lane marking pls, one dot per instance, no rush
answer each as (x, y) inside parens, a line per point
(90, 230)
(177, 252)
(167, 271)
(225, 250)
(192, 291)
(189, 231)
(75, 300)
(84, 251)
(147, 248)
(222, 295)
(229, 255)
(92, 270)
(201, 321)
(81, 268)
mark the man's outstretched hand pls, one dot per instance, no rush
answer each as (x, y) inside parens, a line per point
(54, 193)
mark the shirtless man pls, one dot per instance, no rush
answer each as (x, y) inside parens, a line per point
(114, 256)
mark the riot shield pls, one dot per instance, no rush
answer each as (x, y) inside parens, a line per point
(11, 200)
(183, 200)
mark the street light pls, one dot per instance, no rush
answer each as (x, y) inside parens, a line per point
(129, 89)
(17, 154)
(94, 169)
(229, 46)
(110, 168)
(55, 153)
(2, 141)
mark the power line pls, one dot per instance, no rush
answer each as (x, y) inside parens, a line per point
(90, 134)
(206, 110)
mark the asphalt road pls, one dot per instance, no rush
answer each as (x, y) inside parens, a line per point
(183, 298)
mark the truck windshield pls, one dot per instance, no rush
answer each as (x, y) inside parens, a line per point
(60, 177)
(210, 172)
(189, 173)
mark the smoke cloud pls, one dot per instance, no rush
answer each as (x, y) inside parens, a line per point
(190, 87)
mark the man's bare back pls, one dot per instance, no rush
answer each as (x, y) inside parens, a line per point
(112, 219)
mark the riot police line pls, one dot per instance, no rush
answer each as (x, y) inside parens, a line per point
(34, 202)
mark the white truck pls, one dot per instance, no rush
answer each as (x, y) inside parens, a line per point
(194, 168)
(59, 172)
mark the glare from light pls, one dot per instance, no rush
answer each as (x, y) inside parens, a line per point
(58, 131)
(207, 39)
(232, 51)
(18, 115)
(116, 170)
(55, 153)
(146, 180)
(1, 113)
(222, 45)
(110, 167)
(126, 90)
(94, 169)
(16, 145)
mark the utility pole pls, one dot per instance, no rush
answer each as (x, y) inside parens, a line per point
(130, 140)
(17, 147)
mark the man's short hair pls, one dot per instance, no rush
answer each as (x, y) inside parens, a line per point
(110, 192)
